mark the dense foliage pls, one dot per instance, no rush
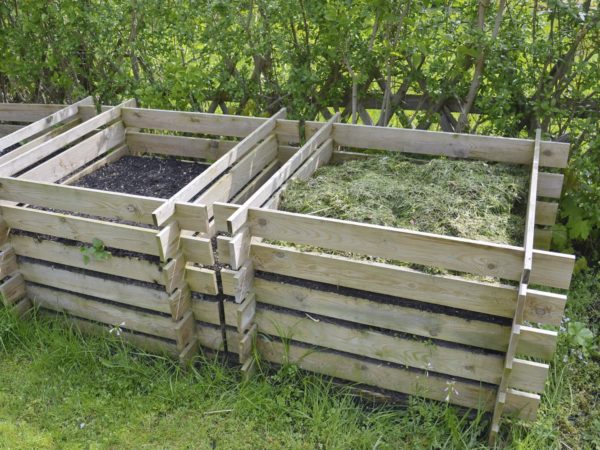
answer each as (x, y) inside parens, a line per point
(492, 67)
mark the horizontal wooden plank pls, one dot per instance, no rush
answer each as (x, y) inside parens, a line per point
(429, 249)
(521, 404)
(537, 343)
(113, 156)
(206, 311)
(491, 148)
(129, 207)
(238, 219)
(203, 281)
(542, 238)
(110, 314)
(544, 307)
(258, 181)
(79, 155)
(552, 269)
(186, 147)
(191, 216)
(135, 239)
(478, 257)
(27, 112)
(386, 279)
(528, 376)
(373, 344)
(147, 343)
(210, 337)
(70, 255)
(39, 140)
(191, 122)
(345, 367)
(550, 184)
(383, 315)
(197, 249)
(545, 213)
(48, 148)
(120, 291)
(240, 174)
(45, 124)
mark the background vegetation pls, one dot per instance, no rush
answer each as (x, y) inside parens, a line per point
(492, 67)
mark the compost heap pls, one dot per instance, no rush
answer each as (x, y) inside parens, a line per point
(469, 199)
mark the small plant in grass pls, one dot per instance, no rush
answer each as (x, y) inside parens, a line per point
(581, 338)
(97, 251)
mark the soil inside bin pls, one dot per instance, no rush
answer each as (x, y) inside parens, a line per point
(143, 175)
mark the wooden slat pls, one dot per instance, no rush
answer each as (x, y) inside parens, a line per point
(77, 156)
(39, 140)
(544, 307)
(240, 174)
(368, 343)
(27, 112)
(545, 213)
(345, 367)
(537, 343)
(478, 257)
(135, 239)
(519, 151)
(107, 289)
(550, 184)
(110, 314)
(113, 156)
(219, 167)
(522, 404)
(318, 159)
(392, 243)
(144, 342)
(542, 239)
(206, 311)
(386, 279)
(191, 122)
(383, 315)
(35, 154)
(12, 289)
(238, 218)
(552, 269)
(197, 249)
(258, 181)
(528, 376)
(210, 337)
(41, 125)
(191, 216)
(519, 336)
(70, 255)
(187, 147)
(201, 280)
(81, 200)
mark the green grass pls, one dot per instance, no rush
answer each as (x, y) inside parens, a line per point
(59, 389)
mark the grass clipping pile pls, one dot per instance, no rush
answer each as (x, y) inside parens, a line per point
(468, 199)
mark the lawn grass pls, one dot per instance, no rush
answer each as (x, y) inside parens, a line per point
(59, 389)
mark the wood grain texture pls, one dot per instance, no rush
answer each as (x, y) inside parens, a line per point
(135, 239)
(70, 255)
(129, 207)
(117, 291)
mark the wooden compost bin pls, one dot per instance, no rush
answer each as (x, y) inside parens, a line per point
(447, 338)
(161, 251)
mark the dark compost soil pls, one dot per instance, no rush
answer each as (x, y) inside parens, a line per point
(141, 175)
